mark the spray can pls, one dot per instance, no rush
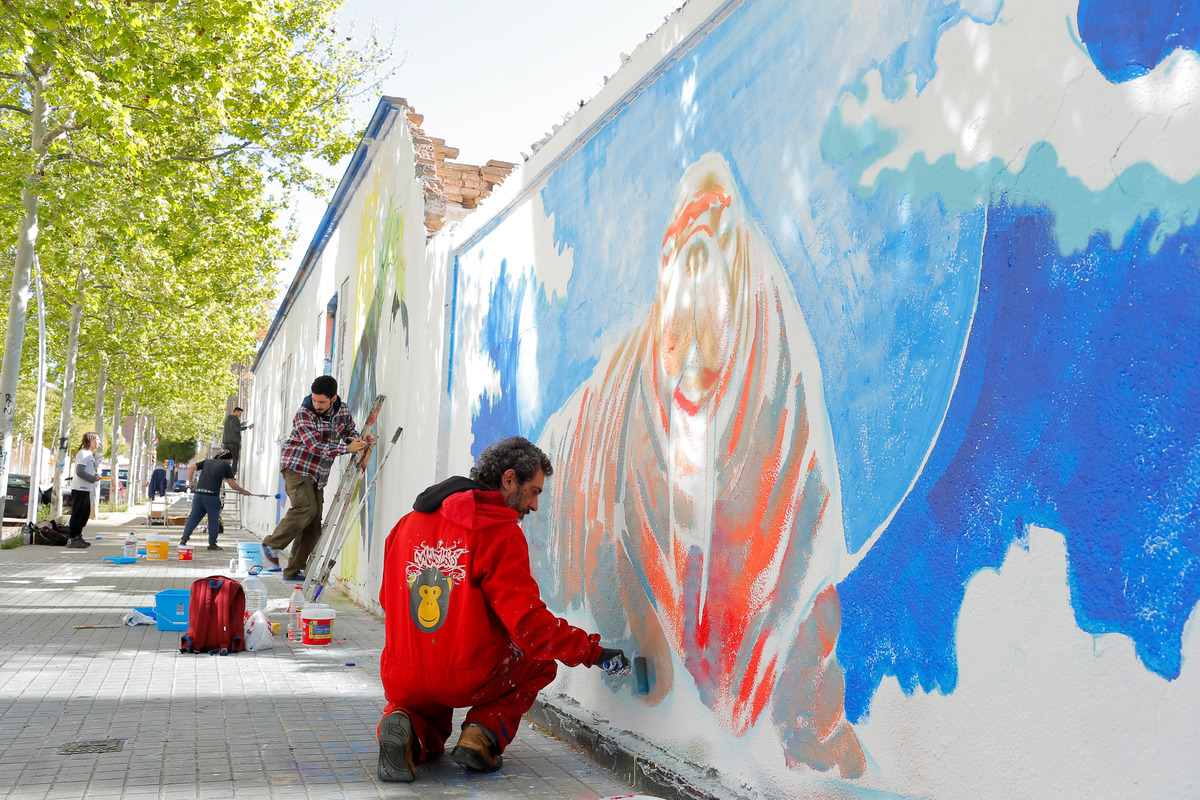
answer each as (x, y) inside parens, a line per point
(131, 545)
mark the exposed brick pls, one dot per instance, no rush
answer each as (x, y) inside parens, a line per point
(448, 185)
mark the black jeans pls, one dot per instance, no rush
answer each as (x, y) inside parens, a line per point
(236, 451)
(81, 510)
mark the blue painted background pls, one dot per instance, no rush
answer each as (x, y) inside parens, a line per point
(1077, 405)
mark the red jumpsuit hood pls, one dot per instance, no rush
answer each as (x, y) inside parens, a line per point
(475, 509)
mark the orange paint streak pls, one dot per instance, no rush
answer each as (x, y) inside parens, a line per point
(763, 693)
(700, 203)
(757, 355)
(685, 405)
(770, 518)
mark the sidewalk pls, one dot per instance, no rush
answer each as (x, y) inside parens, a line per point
(289, 722)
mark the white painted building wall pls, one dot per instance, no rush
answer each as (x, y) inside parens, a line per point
(1011, 622)
(378, 210)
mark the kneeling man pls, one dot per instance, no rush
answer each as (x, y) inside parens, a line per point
(466, 625)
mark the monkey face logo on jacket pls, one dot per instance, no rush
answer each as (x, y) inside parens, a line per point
(432, 574)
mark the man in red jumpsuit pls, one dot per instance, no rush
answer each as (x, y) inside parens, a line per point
(465, 622)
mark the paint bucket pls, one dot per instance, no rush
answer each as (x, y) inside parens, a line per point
(316, 623)
(185, 552)
(157, 547)
(249, 555)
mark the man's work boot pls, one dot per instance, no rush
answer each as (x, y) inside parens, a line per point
(395, 748)
(78, 542)
(477, 750)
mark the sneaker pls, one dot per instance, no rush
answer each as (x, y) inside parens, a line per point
(78, 543)
(215, 547)
(395, 748)
(270, 555)
(298, 577)
(183, 541)
(477, 750)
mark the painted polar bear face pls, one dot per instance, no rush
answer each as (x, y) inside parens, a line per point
(701, 251)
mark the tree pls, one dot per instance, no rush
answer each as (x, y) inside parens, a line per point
(134, 89)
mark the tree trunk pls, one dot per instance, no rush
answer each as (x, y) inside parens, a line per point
(18, 299)
(135, 458)
(68, 400)
(114, 482)
(101, 380)
(35, 463)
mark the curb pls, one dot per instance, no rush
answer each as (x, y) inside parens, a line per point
(631, 758)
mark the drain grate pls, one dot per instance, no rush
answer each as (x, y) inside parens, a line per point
(92, 746)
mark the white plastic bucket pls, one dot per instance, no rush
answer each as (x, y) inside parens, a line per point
(157, 547)
(249, 554)
(316, 624)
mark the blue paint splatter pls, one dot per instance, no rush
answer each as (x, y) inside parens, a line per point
(498, 415)
(1075, 410)
(1128, 39)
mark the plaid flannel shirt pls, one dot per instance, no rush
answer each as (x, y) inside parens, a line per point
(315, 441)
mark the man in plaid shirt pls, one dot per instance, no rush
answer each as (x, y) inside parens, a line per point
(321, 430)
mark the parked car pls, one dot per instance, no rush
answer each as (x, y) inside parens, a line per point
(181, 485)
(106, 481)
(16, 504)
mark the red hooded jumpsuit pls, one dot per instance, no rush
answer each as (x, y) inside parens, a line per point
(465, 622)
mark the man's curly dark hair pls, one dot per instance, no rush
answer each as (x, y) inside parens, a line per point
(516, 453)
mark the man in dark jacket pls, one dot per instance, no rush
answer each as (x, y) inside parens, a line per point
(231, 436)
(465, 624)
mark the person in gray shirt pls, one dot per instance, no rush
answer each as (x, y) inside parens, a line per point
(83, 483)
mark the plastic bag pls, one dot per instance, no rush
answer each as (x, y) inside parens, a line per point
(136, 617)
(258, 632)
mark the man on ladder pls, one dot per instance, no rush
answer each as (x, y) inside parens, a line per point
(321, 430)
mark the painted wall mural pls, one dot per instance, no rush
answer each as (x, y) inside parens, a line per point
(380, 295)
(839, 308)
(704, 459)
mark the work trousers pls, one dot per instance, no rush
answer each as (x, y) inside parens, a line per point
(496, 700)
(301, 525)
(81, 511)
(236, 451)
(202, 504)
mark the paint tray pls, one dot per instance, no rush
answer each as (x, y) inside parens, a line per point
(120, 559)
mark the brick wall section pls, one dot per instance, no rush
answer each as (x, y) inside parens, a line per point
(452, 190)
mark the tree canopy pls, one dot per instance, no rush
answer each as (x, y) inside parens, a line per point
(148, 151)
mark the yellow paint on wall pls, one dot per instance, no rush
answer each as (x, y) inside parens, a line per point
(364, 281)
(391, 250)
(350, 556)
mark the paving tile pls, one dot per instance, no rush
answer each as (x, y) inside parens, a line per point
(287, 723)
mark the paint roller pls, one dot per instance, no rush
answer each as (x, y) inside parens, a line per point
(639, 668)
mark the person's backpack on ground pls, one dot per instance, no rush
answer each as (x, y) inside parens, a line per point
(49, 532)
(216, 617)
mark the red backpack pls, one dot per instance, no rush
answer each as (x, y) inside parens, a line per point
(216, 617)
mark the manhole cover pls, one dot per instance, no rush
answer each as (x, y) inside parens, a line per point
(92, 746)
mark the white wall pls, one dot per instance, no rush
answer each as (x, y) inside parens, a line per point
(977, 286)
(376, 259)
